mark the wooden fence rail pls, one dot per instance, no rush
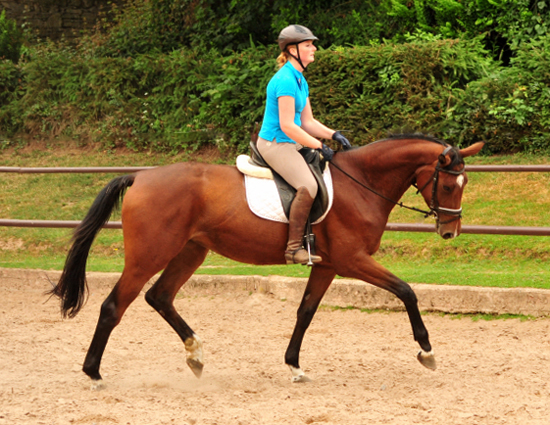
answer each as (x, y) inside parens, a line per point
(49, 170)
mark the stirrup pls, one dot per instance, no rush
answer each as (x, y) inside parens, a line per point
(309, 259)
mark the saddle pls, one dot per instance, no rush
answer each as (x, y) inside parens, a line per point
(285, 190)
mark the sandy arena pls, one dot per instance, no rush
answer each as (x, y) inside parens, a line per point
(363, 365)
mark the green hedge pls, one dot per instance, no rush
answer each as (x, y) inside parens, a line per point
(189, 98)
(511, 107)
(370, 90)
(144, 26)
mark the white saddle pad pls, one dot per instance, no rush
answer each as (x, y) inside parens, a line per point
(264, 201)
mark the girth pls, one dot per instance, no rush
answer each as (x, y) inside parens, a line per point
(287, 192)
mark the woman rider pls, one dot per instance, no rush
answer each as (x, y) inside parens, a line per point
(289, 125)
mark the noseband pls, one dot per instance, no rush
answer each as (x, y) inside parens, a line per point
(435, 208)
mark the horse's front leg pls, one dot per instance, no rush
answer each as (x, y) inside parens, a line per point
(319, 280)
(370, 271)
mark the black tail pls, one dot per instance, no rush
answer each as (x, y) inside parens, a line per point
(72, 287)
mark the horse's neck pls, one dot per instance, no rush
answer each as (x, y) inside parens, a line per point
(389, 167)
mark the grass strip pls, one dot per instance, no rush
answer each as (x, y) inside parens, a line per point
(518, 199)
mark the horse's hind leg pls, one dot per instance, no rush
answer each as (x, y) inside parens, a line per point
(161, 298)
(125, 291)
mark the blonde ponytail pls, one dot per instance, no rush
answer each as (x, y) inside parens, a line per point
(282, 59)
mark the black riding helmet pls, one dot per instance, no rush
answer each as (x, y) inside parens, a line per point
(293, 35)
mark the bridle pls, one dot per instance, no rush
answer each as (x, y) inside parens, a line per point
(435, 208)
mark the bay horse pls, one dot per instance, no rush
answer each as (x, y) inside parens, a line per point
(174, 215)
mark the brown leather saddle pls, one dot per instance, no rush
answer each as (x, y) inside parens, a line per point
(287, 192)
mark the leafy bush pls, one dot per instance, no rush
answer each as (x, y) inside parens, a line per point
(504, 25)
(371, 90)
(10, 90)
(511, 108)
(11, 39)
(144, 26)
(190, 98)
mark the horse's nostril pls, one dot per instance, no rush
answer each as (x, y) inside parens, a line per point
(447, 235)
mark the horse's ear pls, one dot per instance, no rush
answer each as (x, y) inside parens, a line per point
(471, 150)
(444, 160)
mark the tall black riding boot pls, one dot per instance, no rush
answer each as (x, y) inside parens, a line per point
(299, 213)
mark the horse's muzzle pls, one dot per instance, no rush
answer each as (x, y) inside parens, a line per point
(448, 235)
(449, 229)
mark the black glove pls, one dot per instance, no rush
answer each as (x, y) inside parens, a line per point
(340, 138)
(327, 152)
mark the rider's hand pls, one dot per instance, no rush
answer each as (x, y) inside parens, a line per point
(327, 152)
(340, 138)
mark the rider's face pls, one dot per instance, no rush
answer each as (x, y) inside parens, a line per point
(307, 51)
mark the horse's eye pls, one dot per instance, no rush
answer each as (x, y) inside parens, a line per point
(447, 188)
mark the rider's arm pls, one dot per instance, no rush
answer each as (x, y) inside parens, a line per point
(293, 131)
(312, 126)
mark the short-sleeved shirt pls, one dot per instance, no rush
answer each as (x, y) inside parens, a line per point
(288, 81)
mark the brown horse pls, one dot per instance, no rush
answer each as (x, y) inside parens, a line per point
(173, 215)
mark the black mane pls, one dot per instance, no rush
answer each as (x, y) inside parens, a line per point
(455, 155)
(419, 136)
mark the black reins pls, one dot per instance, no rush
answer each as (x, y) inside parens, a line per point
(401, 204)
(435, 209)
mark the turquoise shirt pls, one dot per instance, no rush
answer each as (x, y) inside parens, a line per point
(288, 81)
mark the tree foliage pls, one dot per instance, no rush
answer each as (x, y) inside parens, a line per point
(11, 39)
(233, 25)
(181, 74)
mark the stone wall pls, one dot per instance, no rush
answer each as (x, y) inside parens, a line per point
(54, 18)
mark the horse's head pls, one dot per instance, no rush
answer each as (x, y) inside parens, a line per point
(442, 184)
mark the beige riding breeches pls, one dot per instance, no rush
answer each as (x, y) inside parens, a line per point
(285, 159)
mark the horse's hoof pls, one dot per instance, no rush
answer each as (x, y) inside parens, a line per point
(298, 375)
(195, 366)
(193, 345)
(97, 385)
(427, 359)
(300, 379)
